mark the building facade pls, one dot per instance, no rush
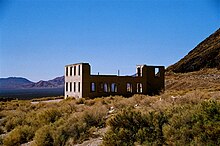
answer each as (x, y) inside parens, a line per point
(80, 83)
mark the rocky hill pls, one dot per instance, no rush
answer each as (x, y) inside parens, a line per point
(54, 83)
(205, 55)
(14, 82)
(205, 79)
(23, 83)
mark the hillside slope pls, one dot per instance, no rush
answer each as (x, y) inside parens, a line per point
(204, 55)
(206, 79)
(57, 82)
(13, 82)
(23, 83)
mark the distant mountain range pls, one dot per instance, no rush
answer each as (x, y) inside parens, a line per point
(205, 55)
(23, 83)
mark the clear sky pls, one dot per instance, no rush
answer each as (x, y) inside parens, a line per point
(39, 37)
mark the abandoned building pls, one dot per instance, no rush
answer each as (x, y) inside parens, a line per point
(80, 83)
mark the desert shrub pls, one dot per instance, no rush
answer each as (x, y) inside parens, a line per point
(90, 102)
(67, 108)
(120, 102)
(78, 131)
(129, 127)
(79, 126)
(60, 136)
(80, 101)
(95, 116)
(139, 99)
(73, 128)
(48, 116)
(19, 135)
(43, 136)
(2, 115)
(195, 125)
(31, 119)
(12, 122)
(1, 130)
(1, 140)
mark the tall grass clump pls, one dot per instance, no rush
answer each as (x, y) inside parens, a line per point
(195, 125)
(80, 127)
(19, 135)
(43, 136)
(130, 127)
(49, 116)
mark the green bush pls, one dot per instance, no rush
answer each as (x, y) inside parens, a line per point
(1, 140)
(49, 116)
(43, 136)
(80, 101)
(95, 116)
(12, 122)
(129, 127)
(19, 135)
(60, 135)
(197, 125)
(1, 130)
(78, 126)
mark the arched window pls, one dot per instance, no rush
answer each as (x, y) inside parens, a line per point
(139, 87)
(93, 87)
(105, 87)
(113, 87)
(129, 87)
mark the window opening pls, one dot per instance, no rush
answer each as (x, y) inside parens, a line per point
(157, 72)
(74, 86)
(139, 72)
(70, 86)
(129, 87)
(105, 87)
(78, 86)
(74, 70)
(66, 71)
(139, 87)
(113, 87)
(66, 86)
(93, 87)
(71, 71)
(101, 87)
(79, 70)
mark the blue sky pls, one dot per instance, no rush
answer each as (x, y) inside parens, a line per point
(39, 37)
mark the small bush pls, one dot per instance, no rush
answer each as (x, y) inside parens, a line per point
(1, 130)
(95, 116)
(1, 140)
(79, 126)
(129, 127)
(43, 136)
(90, 102)
(19, 135)
(12, 122)
(195, 125)
(48, 116)
(80, 101)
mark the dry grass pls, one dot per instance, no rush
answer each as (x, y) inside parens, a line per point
(207, 80)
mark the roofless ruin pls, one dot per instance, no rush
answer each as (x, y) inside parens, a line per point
(80, 83)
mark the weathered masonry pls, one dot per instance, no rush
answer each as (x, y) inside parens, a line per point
(80, 83)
